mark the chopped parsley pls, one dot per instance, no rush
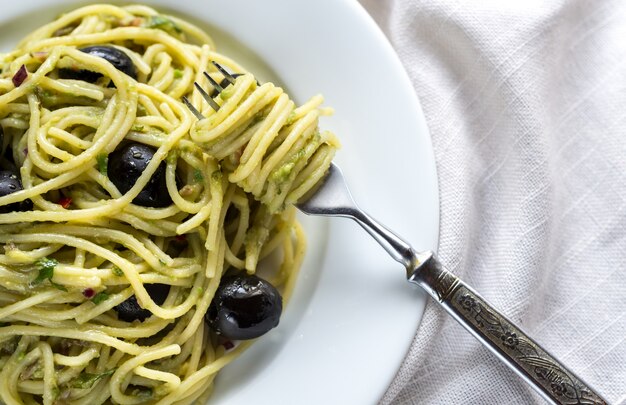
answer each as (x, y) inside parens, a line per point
(172, 157)
(197, 175)
(178, 73)
(281, 175)
(46, 272)
(117, 271)
(58, 286)
(103, 160)
(100, 297)
(162, 23)
(87, 380)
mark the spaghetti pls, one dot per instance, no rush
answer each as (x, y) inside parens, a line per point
(78, 245)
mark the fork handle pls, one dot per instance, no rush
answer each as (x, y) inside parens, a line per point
(515, 348)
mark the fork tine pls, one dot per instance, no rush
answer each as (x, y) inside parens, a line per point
(223, 71)
(213, 82)
(207, 97)
(192, 109)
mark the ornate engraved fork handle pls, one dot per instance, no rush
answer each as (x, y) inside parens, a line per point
(541, 370)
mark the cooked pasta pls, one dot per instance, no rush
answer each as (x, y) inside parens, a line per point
(113, 195)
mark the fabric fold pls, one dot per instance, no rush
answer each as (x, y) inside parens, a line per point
(525, 103)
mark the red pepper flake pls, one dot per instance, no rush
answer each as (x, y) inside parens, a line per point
(228, 344)
(65, 202)
(180, 241)
(89, 292)
(20, 76)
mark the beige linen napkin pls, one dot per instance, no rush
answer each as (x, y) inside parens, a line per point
(526, 105)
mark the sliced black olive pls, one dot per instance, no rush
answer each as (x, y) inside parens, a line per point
(126, 164)
(9, 161)
(244, 307)
(119, 59)
(81, 74)
(10, 183)
(130, 310)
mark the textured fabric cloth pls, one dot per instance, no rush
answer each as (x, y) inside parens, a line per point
(526, 106)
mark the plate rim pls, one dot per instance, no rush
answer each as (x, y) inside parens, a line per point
(361, 13)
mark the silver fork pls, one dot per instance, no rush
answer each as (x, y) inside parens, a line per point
(508, 342)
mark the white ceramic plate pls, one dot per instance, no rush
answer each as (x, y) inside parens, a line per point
(352, 318)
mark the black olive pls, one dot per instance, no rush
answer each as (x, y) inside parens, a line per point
(8, 157)
(10, 183)
(244, 307)
(119, 59)
(126, 165)
(9, 162)
(130, 310)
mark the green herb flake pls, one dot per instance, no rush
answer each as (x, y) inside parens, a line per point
(178, 73)
(103, 161)
(137, 128)
(58, 286)
(227, 92)
(162, 23)
(172, 157)
(87, 380)
(100, 297)
(197, 176)
(117, 271)
(282, 173)
(46, 270)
